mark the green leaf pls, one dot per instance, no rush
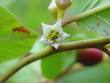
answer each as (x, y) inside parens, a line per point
(13, 44)
(31, 13)
(96, 74)
(7, 22)
(38, 46)
(6, 3)
(79, 6)
(97, 23)
(91, 4)
(53, 65)
(29, 74)
(11, 49)
(77, 34)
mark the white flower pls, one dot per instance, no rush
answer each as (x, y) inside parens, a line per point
(53, 34)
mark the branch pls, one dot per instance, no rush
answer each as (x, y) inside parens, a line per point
(48, 51)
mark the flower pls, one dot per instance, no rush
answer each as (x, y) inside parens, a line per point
(53, 34)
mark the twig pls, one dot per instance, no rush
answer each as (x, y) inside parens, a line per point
(105, 50)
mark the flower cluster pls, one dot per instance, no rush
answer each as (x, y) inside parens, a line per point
(53, 34)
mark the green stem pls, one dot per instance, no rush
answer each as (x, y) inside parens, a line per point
(48, 51)
(60, 14)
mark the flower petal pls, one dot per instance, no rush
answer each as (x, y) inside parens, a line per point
(42, 39)
(64, 35)
(55, 45)
(58, 25)
(52, 5)
(46, 28)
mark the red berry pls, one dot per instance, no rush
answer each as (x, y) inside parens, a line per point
(90, 56)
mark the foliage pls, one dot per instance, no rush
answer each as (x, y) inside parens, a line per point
(29, 14)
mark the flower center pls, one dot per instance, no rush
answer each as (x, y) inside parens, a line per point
(53, 36)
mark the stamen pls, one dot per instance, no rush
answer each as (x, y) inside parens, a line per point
(53, 35)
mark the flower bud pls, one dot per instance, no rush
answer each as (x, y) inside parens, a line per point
(63, 4)
(53, 9)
